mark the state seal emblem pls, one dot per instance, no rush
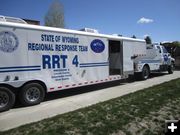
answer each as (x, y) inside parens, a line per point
(8, 41)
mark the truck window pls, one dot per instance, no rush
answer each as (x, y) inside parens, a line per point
(164, 50)
(158, 47)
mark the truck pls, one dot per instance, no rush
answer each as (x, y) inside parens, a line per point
(35, 60)
(157, 59)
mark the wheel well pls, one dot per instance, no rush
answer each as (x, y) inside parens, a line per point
(36, 81)
(13, 89)
(147, 66)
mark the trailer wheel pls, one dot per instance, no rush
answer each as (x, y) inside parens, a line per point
(145, 73)
(31, 94)
(171, 68)
(7, 99)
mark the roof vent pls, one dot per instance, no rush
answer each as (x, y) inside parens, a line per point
(89, 30)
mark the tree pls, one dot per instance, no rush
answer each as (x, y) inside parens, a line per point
(171, 44)
(148, 40)
(173, 48)
(55, 15)
(133, 36)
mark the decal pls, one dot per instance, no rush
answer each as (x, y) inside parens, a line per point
(8, 41)
(97, 46)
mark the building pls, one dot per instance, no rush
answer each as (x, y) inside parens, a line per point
(34, 22)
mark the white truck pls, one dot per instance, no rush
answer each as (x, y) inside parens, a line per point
(35, 60)
(157, 59)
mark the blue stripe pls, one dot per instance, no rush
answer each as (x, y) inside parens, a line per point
(22, 70)
(150, 61)
(94, 63)
(20, 67)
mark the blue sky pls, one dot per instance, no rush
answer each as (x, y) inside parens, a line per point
(160, 19)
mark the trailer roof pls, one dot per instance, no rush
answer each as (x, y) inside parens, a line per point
(52, 29)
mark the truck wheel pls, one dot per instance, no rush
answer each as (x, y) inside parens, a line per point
(145, 73)
(31, 94)
(171, 69)
(7, 99)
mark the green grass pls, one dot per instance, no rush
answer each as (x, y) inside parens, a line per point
(142, 112)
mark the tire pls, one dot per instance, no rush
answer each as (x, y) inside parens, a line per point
(7, 99)
(171, 69)
(31, 94)
(145, 73)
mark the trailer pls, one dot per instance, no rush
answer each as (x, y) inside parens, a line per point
(35, 60)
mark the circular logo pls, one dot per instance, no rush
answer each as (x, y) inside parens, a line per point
(8, 41)
(97, 46)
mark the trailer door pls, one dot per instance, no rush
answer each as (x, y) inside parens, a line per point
(115, 58)
(127, 57)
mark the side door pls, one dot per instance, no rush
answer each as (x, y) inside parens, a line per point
(166, 56)
(163, 54)
(127, 55)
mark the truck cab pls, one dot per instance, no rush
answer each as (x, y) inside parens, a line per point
(164, 57)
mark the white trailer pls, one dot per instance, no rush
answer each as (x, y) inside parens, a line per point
(35, 60)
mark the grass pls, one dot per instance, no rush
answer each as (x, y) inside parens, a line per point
(142, 112)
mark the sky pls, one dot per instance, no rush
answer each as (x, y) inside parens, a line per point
(159, 19)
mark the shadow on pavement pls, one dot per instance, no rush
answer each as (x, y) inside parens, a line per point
(75, 91)
(137, 78)
(80, 90)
